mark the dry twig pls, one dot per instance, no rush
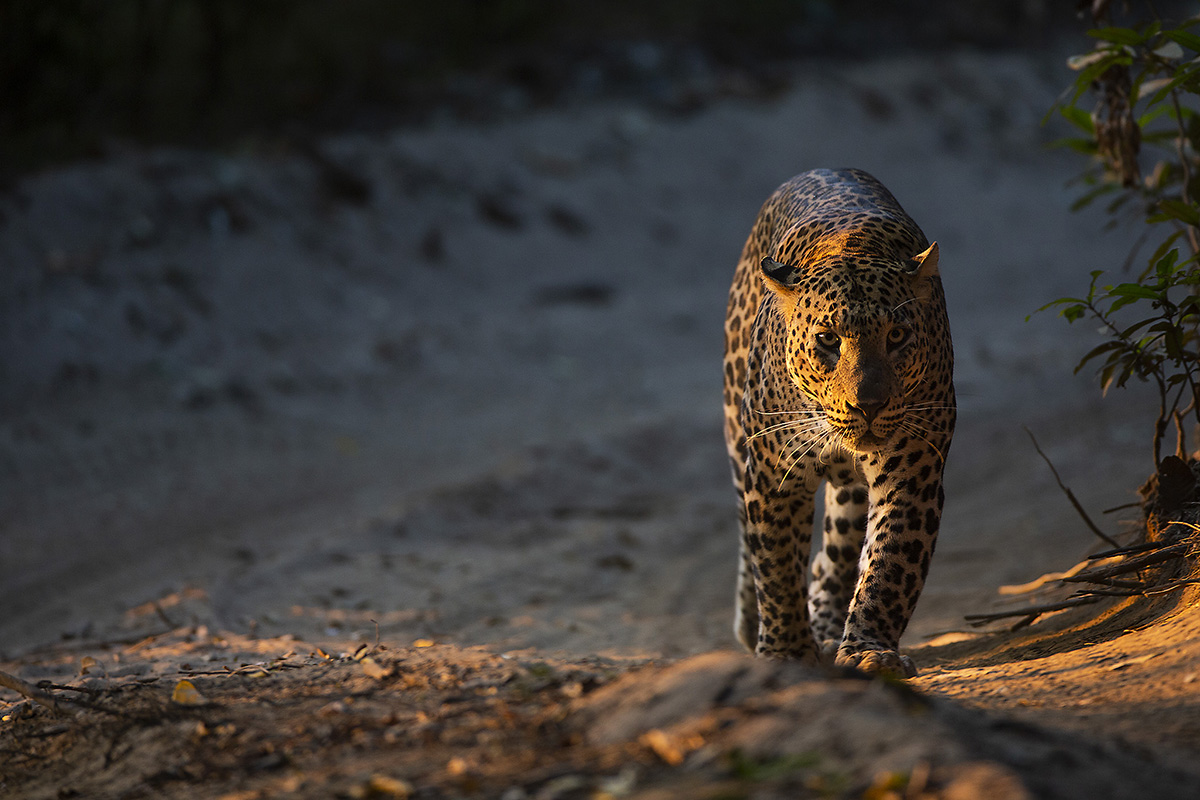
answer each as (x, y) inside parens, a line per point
(1070, 495)
(35, 694)
(1103, 580)
(1128, 565)
(1124, 551)
(1029, 612)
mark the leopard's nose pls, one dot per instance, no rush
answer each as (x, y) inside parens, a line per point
(867, 409)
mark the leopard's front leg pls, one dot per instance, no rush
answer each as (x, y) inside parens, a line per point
(906, 501)
(776, 540)
(835, 564)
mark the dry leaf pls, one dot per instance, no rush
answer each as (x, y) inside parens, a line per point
(663, 747)
(423, 643)
(374, 669)
(186, 694)
(382, 786)
(390, 787)
(88, 663)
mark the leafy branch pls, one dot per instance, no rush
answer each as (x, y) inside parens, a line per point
(1146, 80)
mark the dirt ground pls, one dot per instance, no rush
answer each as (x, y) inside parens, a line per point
(388, 466)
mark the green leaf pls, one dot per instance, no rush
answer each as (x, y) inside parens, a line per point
(1062, 301)
(1099, 350)
(1189, 40)
(1163, 326)
(1134, 290)
(1079, 118)
(1153, 112)
(1073, 313)
(1134, 328)
(1161, 255)
(1172, 346)
(1162, 139)
(1124, 36)
(1186, 213)
(1120, 303)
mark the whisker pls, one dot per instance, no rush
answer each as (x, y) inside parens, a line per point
(797, 455)
(799, 424)
(803, 418)
(929, 427)
(764, 412)
(779, 462)
(832, 441)
(823, 444)
(794, 437)
(906, 425)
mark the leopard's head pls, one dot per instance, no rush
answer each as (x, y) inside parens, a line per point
(862, 335)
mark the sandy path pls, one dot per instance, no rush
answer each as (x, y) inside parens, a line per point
(483, 405)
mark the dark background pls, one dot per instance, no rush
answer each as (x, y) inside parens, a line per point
(78, 77)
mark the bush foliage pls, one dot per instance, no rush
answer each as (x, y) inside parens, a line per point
(1143, 139)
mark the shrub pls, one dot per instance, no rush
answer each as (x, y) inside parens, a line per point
(1146, 79)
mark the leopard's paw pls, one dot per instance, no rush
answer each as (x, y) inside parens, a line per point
(829, 648)
(878, 662)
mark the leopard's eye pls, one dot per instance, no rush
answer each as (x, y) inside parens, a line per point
(897, 336)
(828, 339)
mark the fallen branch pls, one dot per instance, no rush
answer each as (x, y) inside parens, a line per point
(35, 694)
(1136, 591)
(1032, 612)
(1139, 591)
(1173, 586)
(1124, 551)
(1070, 495)
(1129, 565)
(1115, 583)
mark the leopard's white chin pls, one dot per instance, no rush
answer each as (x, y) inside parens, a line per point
(865, 442)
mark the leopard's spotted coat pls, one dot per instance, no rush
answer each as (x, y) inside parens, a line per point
(838, 368)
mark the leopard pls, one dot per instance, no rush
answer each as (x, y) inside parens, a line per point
(838, 372)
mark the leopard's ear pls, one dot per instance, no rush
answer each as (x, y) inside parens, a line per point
(781, 274)
(925, 265)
